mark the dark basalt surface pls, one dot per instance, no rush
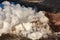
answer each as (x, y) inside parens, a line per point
(15, 37)
(12, 37)
(54, 19)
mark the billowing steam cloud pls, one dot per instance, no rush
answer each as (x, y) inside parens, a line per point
(19, 20)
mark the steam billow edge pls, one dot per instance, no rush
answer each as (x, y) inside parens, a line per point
(19, 20)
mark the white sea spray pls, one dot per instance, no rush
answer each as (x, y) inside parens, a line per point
(17, 19)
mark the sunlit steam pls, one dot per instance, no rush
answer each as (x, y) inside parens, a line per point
(19, 20)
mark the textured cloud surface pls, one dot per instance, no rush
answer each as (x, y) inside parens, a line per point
(18, 20)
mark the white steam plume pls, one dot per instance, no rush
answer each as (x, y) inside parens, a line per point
(18, 20)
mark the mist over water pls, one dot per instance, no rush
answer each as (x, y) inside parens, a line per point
(23, 19)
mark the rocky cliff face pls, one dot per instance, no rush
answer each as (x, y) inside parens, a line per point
(54, 21)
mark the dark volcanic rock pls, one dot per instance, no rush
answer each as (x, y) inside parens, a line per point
(9, 37)
(12, 37)
(54, 21)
